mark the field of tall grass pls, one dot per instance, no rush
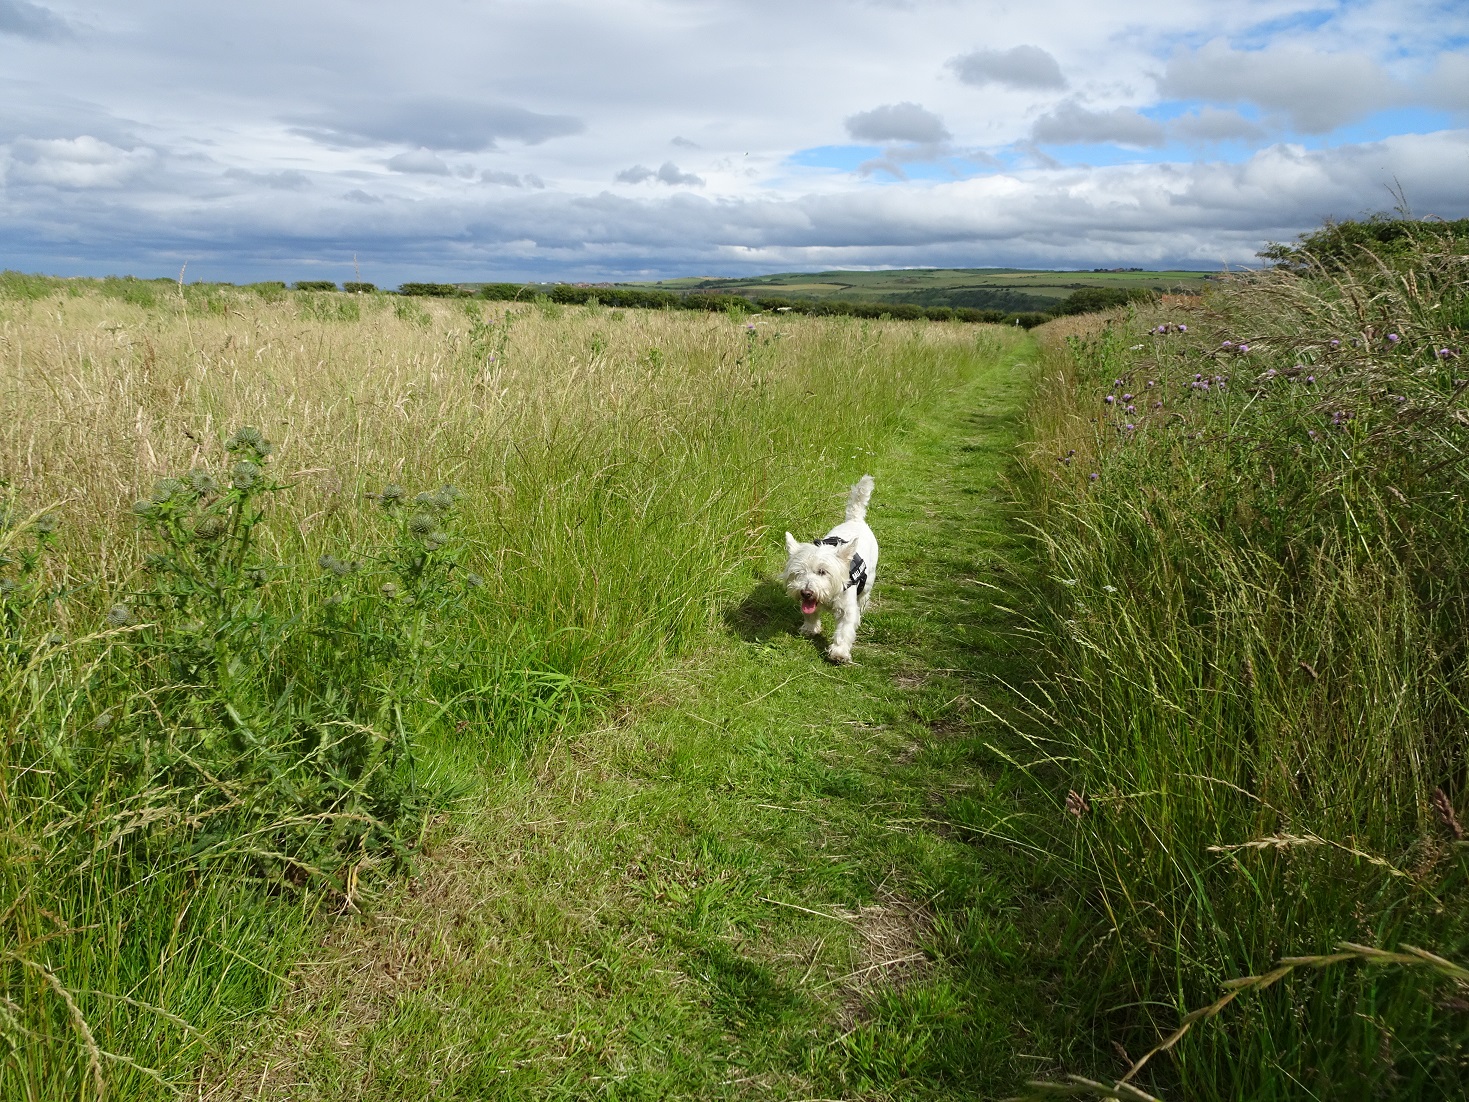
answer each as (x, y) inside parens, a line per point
(283, 572)
(1251, 746)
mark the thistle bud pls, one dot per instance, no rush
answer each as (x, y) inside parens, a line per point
(119, 616)
(209, 527)
(421, 524)
(244, 474)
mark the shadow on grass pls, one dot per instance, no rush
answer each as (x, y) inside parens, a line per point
(766, 612)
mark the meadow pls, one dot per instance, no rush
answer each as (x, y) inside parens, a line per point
(286, 574)
(399, 702)
(1248, 753)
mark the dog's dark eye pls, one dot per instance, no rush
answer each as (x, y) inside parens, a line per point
(822, 572)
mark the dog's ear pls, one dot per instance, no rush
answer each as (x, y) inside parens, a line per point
(791, 544)
(846, 550)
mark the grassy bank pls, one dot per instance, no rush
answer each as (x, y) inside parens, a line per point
(1251, 517)
(252, 642)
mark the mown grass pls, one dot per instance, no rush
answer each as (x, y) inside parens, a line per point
(236, 694)
(1251, 517)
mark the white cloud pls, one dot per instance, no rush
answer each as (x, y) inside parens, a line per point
(1314, 92)
(1025, 67)
(1070, 122)
(84, 162)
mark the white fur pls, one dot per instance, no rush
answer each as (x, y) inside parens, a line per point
(816, 575)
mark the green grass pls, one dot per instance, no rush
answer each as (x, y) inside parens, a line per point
(996, 288)
(748, 886)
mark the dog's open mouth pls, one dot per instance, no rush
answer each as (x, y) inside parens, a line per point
(808, 602)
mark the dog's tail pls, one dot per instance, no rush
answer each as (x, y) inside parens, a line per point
(858, 499)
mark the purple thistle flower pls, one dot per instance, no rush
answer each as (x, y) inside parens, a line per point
(1129, 426)
(1311, 433)
(1127, 397)
(1310, 378)
(1227, 344)
(1243, 348)
(1446, 353)
(1334, 343)
(1093, 476)
(1130, 409)
(1183, 328)
(1393, 338)
(1271, 373)
(1157, 405)
(1109, 399)
(1151, 384)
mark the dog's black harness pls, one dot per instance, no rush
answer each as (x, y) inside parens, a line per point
(858, 574)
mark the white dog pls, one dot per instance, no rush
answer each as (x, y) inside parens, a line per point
(836, 572)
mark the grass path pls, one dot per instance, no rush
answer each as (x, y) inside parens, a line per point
(756, 885)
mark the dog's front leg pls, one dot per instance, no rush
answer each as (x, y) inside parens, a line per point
(811, 625)
(848, 616)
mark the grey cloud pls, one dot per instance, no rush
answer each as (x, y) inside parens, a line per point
(423, 162)
(357, 195)
(439, 123)
(1025, 67)
(28, 20)
(84, 162)
(1448, 85)
(1315, 92)
(287, 180)
(669, 173)
(511, 179)
(897, 122)
(1070, 122)
(684, 143)
(1210, 124)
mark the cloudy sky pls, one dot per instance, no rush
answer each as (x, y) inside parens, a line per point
(638, 139)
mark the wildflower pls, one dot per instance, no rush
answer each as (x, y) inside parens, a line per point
(1150, 384)
(1271, 373)
(389, 590)
(1109, 399)
(1183, 328)
(1071, 451)
(1157, 405)
(1311, 433)
(335, 566)
(392, 494)
(46, 523)
(421, 524)
(1129, 426)
(1243, 348)
(435, 540)
(1129, 408)
(255, 576)
(1227, 344)
(1127, 397)
(1446, 353)
(1093, 476)
(1393, 338)
(1116, 384)
(1333, 343)
(119, 616)
(1310, 378)
(336, 600)
(445, 496)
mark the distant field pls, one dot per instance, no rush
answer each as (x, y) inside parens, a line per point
(986, 288)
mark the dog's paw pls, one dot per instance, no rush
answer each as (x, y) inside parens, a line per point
(811, 628)
(840, 657)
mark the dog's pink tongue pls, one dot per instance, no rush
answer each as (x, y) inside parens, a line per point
(808, 605)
